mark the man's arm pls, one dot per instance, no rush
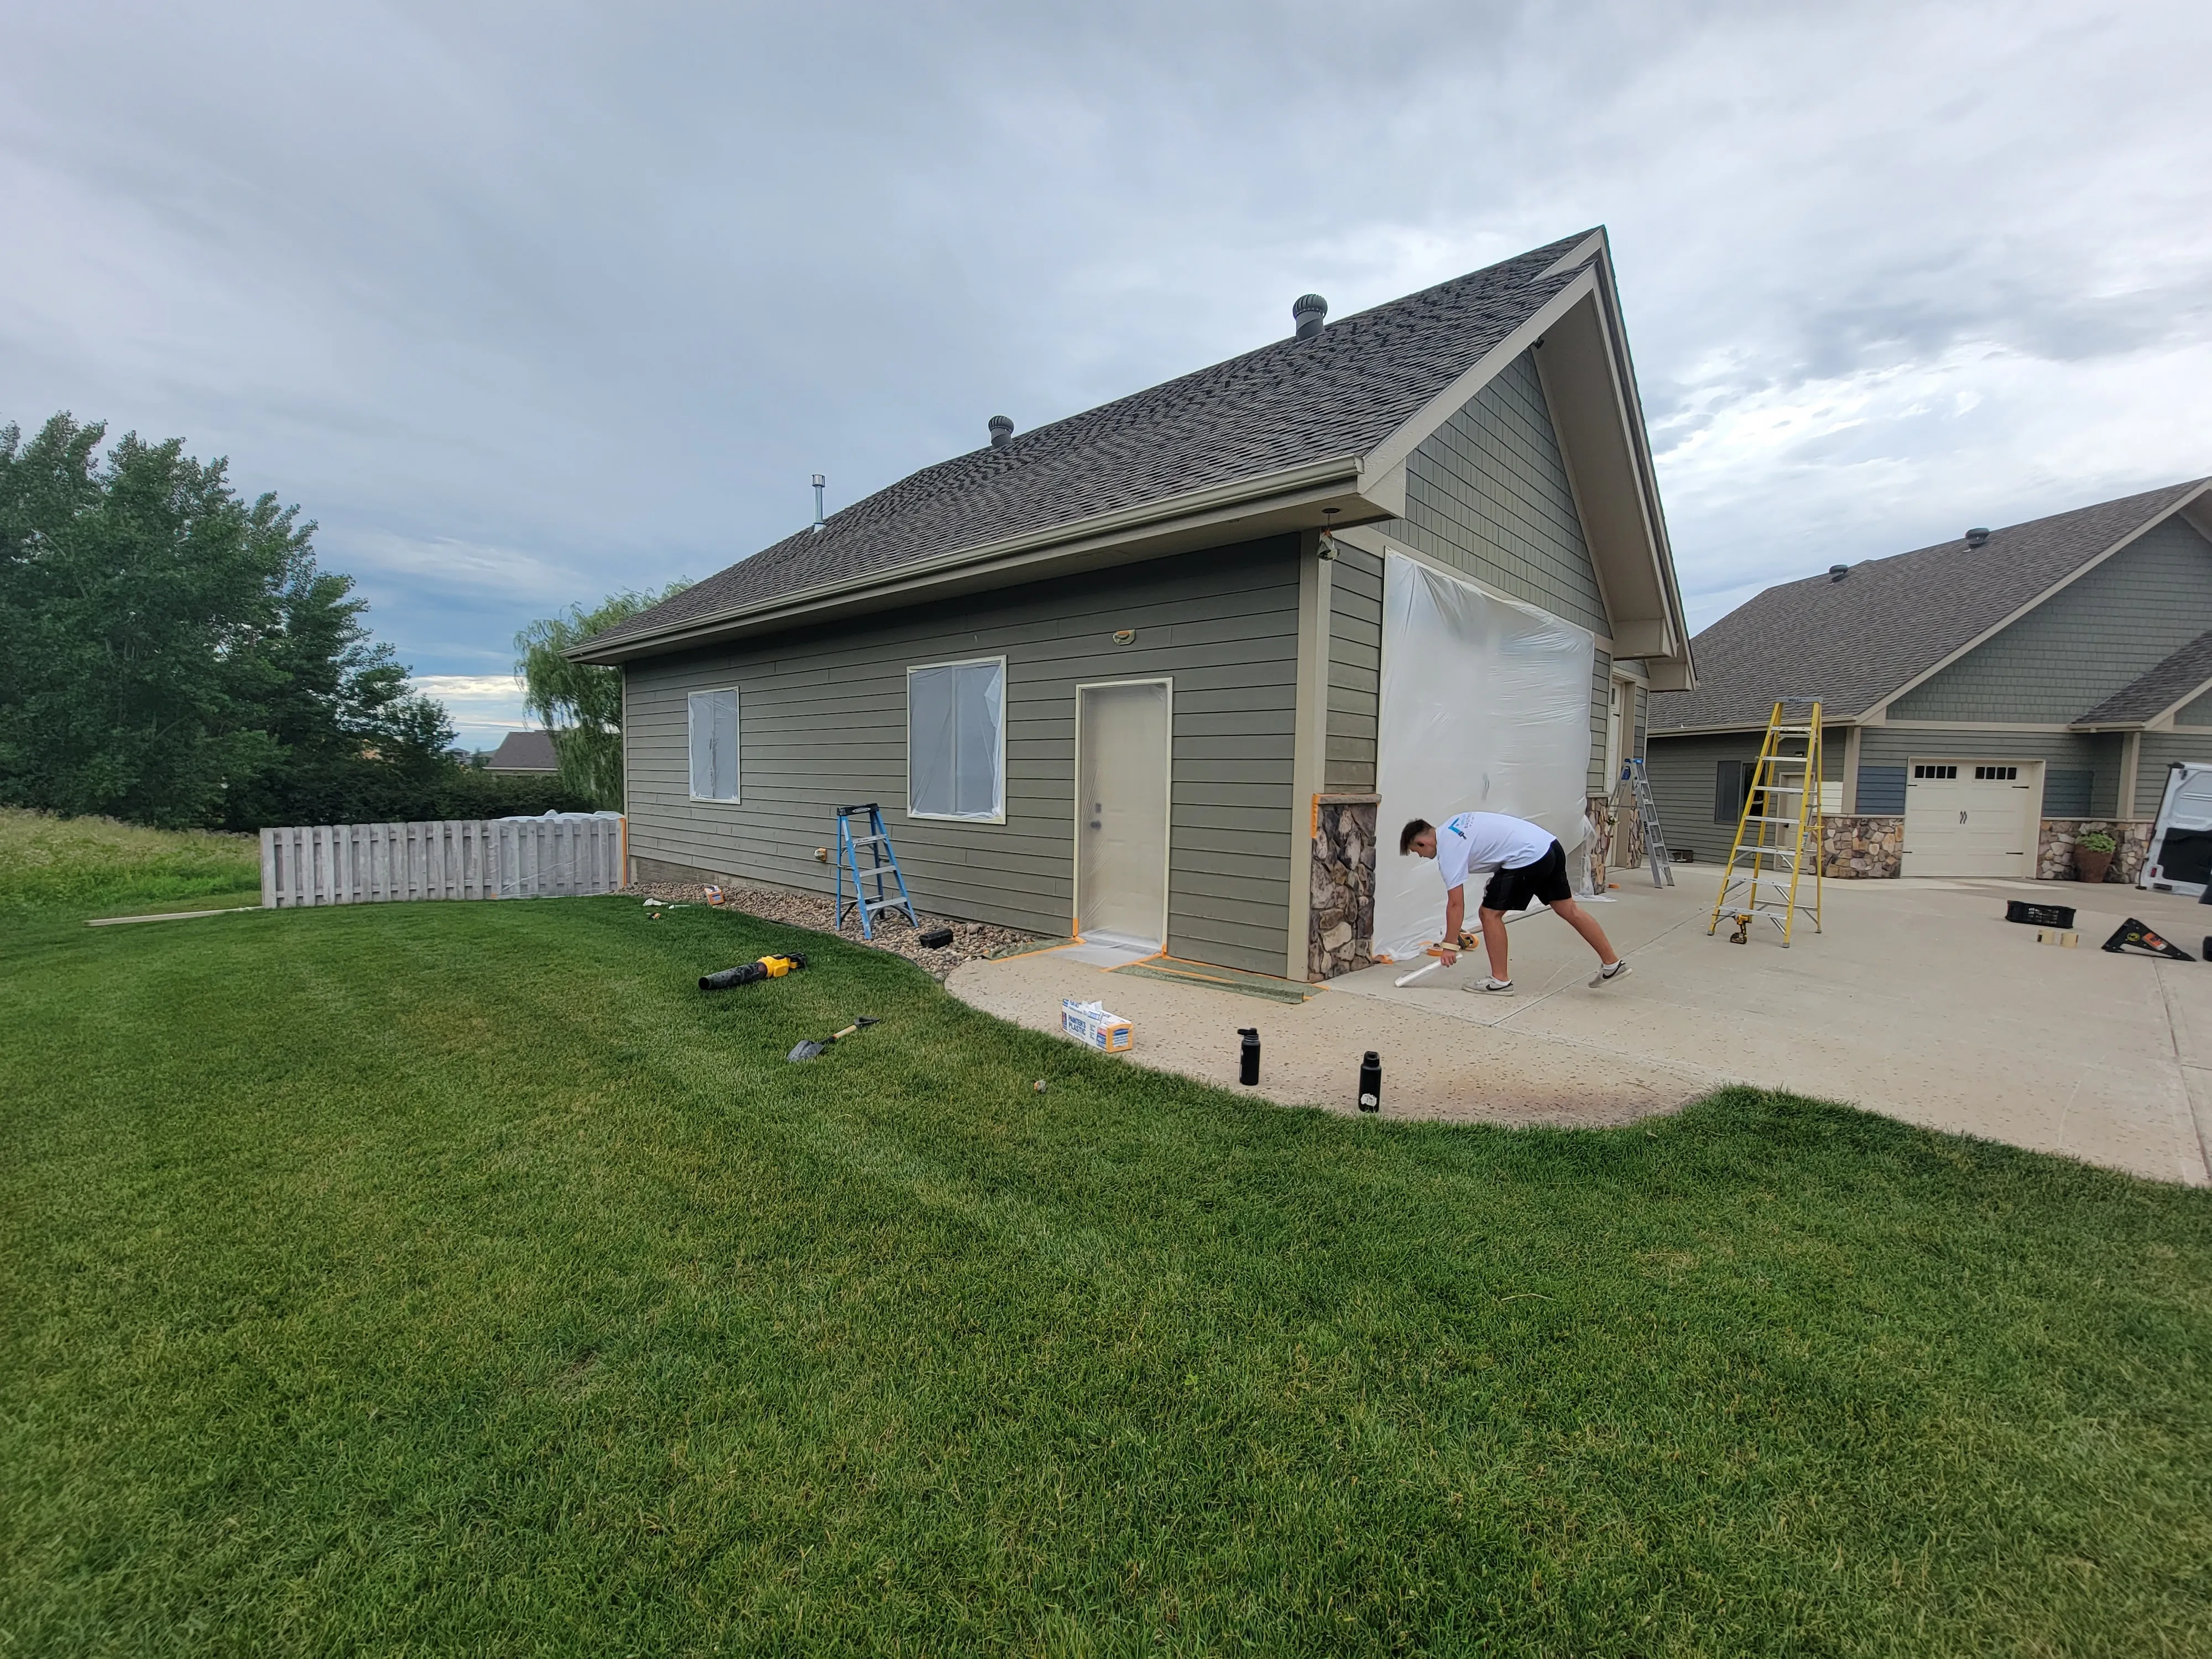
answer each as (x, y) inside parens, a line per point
(1454, 914)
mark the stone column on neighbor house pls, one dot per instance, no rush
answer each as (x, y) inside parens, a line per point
(2054, 846)
(1341, 927)
(1863, 846)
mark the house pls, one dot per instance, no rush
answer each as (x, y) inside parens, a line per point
(1984, 701)
(1166, 670)
(524, 751)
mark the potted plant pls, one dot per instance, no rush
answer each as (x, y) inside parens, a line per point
(2092, 856)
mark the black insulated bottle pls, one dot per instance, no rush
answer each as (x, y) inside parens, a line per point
(1370, 1082)
(1247, 1071)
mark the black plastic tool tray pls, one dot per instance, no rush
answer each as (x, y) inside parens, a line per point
(2039, 915)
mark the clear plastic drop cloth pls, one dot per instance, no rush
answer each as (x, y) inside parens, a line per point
(954, 713)
(1485, 708)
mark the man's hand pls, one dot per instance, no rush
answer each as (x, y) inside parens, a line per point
(1448, 956)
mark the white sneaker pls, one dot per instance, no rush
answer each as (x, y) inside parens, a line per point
(1504, 985)
(1606, 976)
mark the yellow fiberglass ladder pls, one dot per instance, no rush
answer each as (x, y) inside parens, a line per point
(1780, 829)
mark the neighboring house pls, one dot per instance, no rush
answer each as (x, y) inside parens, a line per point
(524, 751)
(1124, 674)
(1984, 701)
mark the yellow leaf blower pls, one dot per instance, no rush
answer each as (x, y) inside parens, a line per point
(751, 973)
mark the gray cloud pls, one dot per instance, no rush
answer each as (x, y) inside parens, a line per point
(526, 303)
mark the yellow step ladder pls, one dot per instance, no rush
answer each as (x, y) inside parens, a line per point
(1780, 828)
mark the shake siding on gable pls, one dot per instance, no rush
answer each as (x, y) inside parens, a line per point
(2070, 653)
(1487, 494)
(825, 725)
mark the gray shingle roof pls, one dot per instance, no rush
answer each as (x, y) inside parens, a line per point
(2159, 690)
(525, 751)
(1292, 402)
(1853, 643)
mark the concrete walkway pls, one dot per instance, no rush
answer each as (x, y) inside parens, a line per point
(1918, 1001)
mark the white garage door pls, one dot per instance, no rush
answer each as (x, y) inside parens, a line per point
(1969, 818)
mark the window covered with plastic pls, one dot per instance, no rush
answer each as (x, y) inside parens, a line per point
(714, 745)
(956, 748)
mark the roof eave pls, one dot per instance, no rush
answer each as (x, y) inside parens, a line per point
(1591, 383)
(1294, 495)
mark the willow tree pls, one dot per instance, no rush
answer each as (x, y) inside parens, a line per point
(581, 704)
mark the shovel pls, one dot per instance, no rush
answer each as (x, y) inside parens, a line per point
(810, 1049)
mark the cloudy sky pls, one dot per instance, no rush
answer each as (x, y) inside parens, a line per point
(529, 303)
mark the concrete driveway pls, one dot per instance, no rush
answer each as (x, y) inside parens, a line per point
(1918, 1001)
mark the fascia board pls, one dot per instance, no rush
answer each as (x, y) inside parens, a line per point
(1600, 397)
(1632, 397)
(1392, 452)
(1837, 723)
(1327, 480)
(2049, 592)
(1581, 253)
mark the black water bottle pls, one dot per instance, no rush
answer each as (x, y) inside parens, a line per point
(1370, 1082)
(1247, 1070)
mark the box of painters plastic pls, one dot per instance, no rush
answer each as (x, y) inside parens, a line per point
(1088, 1023)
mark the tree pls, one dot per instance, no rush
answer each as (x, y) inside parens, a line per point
(172, 654)
(581, 704)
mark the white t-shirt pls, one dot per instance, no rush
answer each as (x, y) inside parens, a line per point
(1479, 842)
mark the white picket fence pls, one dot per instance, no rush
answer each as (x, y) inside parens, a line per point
(457, 858)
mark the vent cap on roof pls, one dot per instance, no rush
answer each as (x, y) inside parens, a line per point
(1977, 537)
(1002, 431)
(1838, 572)
(1308, 312)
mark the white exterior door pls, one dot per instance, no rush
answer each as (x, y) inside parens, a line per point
(1122, 738)
(1971, 818)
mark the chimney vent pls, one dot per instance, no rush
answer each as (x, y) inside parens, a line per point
(1838, 572)
(1308, 312)
(1977, 537)
(1002, 432)
(818, 481)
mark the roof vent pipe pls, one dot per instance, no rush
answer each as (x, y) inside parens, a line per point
(1002, 431)
(1977, 537)
(1308, 312)
(818, 481)
(1838, 572)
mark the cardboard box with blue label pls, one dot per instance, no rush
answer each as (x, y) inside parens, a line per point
(1088, 1023)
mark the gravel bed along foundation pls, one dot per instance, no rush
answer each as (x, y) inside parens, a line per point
(971, 940)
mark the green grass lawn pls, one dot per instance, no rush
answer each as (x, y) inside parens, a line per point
(458, 1278)
(96, 865)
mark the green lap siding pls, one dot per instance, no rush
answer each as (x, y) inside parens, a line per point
(1355, 670)
(2083, 643)
(823, 720)
(1682, 771)
(2159, 750)
(2097, 754)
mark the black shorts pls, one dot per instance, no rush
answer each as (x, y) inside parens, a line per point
(1545, 879)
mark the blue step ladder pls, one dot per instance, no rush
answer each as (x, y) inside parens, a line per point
(878, 840)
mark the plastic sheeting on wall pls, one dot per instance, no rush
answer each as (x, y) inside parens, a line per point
(955, 740)
(1485, 708)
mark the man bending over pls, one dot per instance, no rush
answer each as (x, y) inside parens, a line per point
(1522, 863)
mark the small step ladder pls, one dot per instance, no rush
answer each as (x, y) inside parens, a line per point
(1647, 822)
(1781, 821)
(885, 859)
